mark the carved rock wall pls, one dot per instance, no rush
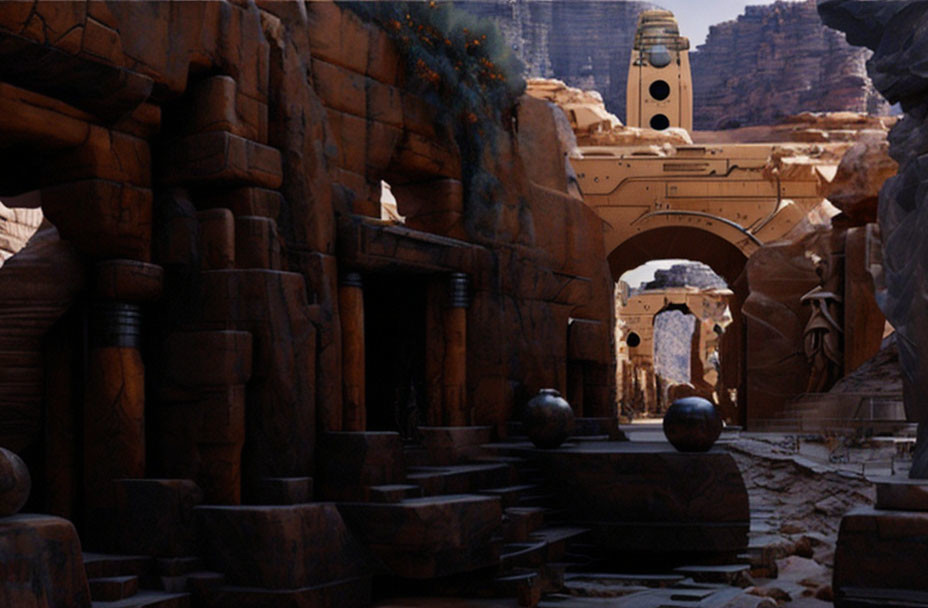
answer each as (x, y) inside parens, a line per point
(895, 32)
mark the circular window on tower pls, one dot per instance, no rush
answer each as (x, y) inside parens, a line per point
(659, 122)
(659, 90)
(659, 56)
(633, 340)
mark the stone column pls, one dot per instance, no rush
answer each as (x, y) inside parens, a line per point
(114, 408)
(454, 372)
(351, 311)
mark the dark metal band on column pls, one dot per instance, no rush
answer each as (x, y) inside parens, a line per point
(116, 324)
(351, 279)
(459, 290)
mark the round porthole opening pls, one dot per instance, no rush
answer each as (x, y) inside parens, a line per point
(659, 122)
(633, 340)
(659, 90)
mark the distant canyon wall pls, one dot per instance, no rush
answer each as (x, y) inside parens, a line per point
(778, 60)
(771, 62)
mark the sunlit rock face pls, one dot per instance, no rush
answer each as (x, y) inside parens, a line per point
(774, 61)
(897, 33)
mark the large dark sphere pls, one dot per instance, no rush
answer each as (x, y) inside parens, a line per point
(692, 424)
(548, 419)
(15, 483)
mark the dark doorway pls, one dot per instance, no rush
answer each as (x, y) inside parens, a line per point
(394, 333)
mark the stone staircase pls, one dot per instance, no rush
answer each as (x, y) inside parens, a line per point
(453, 515)
(838, 413)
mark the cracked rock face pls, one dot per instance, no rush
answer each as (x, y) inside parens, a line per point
(777, 60)
(897, 32)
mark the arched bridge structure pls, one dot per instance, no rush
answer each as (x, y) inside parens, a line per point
(715, 204)
(713, 201)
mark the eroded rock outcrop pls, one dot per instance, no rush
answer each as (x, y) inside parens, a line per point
(774, 61)
(894, 31)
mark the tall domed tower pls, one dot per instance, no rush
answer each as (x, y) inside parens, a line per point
(660, 85)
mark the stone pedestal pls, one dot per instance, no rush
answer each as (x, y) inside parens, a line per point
(881, 552)
(648, 500)
(40, 557)
(351, 312)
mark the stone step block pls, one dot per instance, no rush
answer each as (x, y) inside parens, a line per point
(285, 491)
(460, 479)
(257, 244)
(105, 565)
(510, 495)
(726, 574)
(522, 521)
(557, 540)
(529, 554)
(429, 537)
(113, 588)
(393, 493)
(149, 599)
(279, 547)
(901, 494)
(155, 517)
(454, 445)
(349, 462)
(346, 593)
(243, 201)
(178, 566)
(223, 158)
(216, 239)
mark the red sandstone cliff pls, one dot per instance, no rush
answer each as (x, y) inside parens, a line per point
(774, 61)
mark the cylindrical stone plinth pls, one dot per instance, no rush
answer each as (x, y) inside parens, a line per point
(454, 374)
(114, 406)
(351, 311)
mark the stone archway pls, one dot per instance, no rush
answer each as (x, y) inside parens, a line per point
(728, 261)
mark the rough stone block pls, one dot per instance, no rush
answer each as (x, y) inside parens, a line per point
(40, 558)
(894, 494)
(208, 358)
(155, 517)
(649, 498)
(244, 201)
(285, 491)
(589, 340)
(286, 547)
(452, 445)
(429, 537)
(350, 461)
(223, 158)
(256, 243)
(867, 556)
(216, 238)
(338, 36)
(129, 280)
(103, 219)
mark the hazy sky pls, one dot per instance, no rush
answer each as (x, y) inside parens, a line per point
(695, 16)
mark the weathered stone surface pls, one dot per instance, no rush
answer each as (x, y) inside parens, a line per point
(864, 168)
(40, 556)
(348, 462)
(15, 483)
(870, 544)
(208, 358)
(774, 61)
(286, 547)
(422, 538)
(155, 517)
(620, 489)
